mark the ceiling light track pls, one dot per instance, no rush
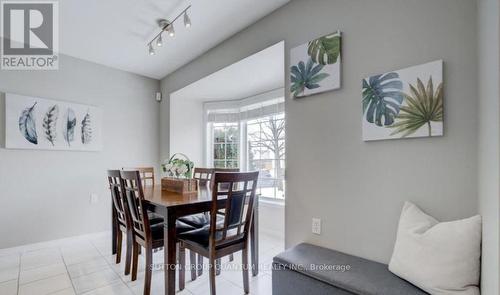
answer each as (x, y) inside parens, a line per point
(168, 27)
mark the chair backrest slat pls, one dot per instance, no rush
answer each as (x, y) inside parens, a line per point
(134, 195)
(238, 190)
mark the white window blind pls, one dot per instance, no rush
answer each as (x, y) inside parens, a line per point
(255, 107)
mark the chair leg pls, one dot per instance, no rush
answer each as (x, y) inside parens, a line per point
(200, 265)
(182, 266)
(118, 246)
(217, 266)
(128, 253)
(212, 268)
(114, 229)
(244, 268)
(231, 257)
(149, 270)
(135, 258)
(192, 260)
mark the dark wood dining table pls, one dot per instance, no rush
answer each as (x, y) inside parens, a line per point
(173, 205)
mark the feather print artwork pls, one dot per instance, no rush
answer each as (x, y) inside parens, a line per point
(86, 129)
(50, 123)
(69, 130)
(35, 123)
(27, 124)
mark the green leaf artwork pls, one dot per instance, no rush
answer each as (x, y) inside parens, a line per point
(382, 98)
(422, 107)
(315, 66)
(306, 76)
(325, 50)
(400, 104)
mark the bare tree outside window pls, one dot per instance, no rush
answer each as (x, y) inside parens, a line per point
(267, 149)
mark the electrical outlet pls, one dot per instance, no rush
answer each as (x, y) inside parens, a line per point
(316, 226)
(94, 198)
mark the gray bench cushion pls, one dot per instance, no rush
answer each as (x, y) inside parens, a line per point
(363, 277)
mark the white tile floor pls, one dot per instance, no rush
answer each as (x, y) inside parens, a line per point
(85, 265)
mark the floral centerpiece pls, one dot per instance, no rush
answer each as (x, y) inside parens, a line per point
(178, 166)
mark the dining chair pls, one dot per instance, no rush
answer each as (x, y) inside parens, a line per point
(229, 235)
(145, 233)
(224, 186)
(200, 220)
(147, 174)
(203, 175)
(122, 219)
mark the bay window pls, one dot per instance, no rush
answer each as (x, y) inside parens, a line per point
(249, 134)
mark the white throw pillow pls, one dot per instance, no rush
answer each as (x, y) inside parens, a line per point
(438, 257)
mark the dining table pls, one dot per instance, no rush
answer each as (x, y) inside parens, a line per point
(172, 205)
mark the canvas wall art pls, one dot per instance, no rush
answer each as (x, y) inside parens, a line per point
(37, 123)
(404, 103)
(315, 66)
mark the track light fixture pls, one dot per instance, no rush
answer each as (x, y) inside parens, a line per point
(168, 27)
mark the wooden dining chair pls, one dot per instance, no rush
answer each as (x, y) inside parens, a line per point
(203, 175)
(147, 174)
(229, 236)
(145, 234)
(224, 187)
(122, 219)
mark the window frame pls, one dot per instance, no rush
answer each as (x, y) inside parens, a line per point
(243, 134)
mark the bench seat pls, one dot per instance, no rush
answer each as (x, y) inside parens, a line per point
(313, 270)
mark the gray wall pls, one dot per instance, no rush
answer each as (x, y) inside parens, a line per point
(489, 140)
(358, 188)
(45, 195)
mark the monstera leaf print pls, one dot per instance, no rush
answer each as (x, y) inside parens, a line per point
(306, 76)
(325, 50)
(422, 107)
(27, 124)
(382, 98)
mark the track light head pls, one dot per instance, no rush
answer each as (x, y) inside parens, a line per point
(187, 20)
(171, 30)
(151, 49)
(159, 41)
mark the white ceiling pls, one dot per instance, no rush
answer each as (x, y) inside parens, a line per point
(261, 72)
(115, 32)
